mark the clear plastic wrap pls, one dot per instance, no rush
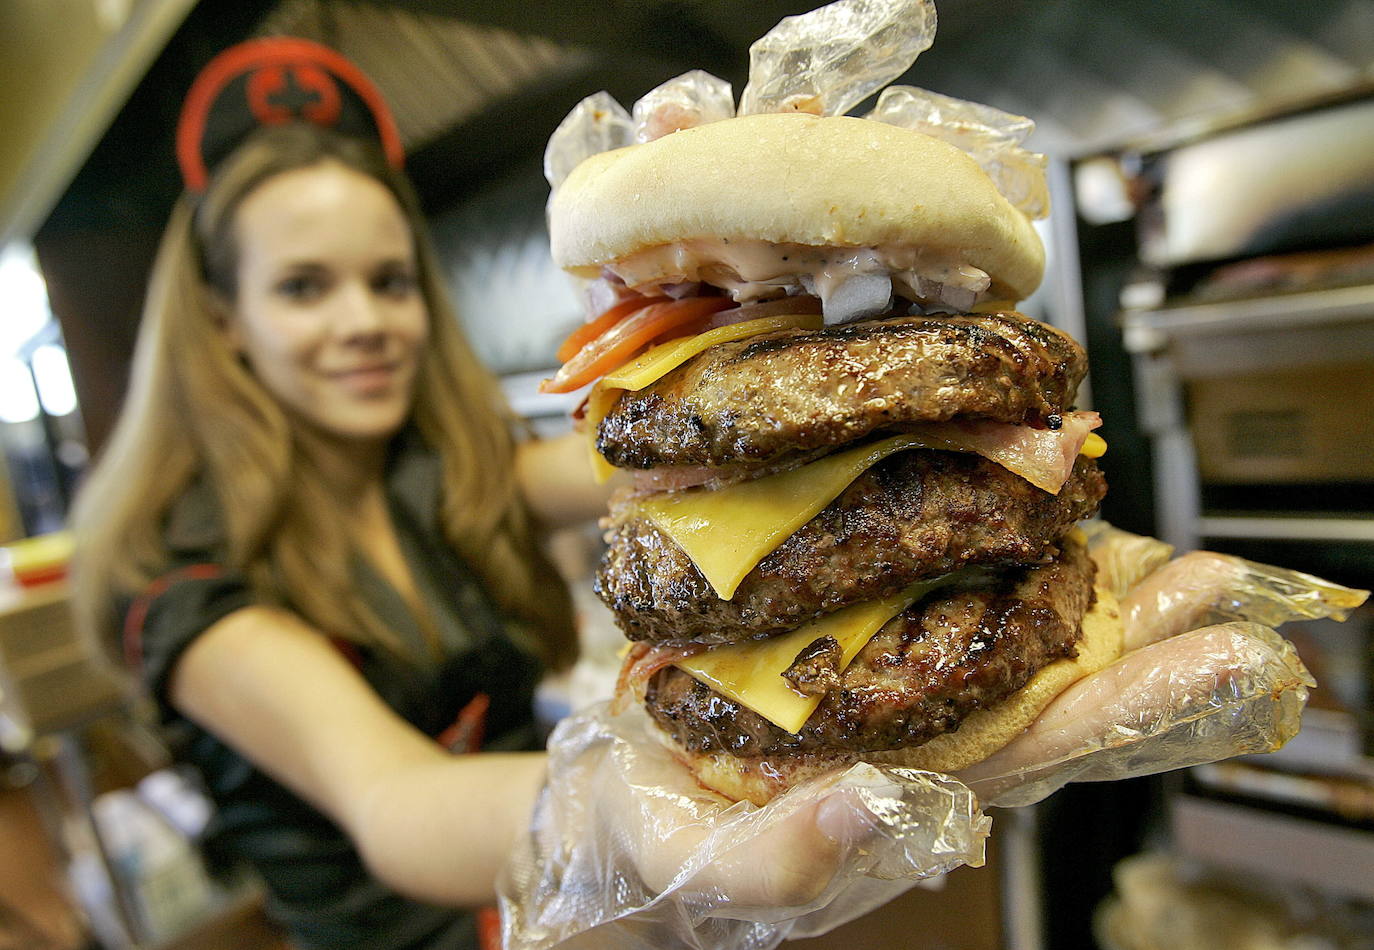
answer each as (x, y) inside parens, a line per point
(990, 136)
(596, 124)
(627, 851)
(1203, 587)
(1123, 558)
(829, 60)
(825, 62)
(692, 99)
(1206, 695)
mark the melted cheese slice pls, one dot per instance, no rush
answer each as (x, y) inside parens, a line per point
(750, 673)
(727, 532)
(654, 364)
(599, 402)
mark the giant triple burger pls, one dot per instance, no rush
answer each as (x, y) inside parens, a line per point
(855, 468)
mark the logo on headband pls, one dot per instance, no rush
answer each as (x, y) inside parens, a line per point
(273, 82)
(279, 94)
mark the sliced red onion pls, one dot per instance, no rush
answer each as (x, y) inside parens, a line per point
(679, 291)
(604, 293)
(800, 303)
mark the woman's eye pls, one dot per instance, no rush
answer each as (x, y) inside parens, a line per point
(398, 284)
(301, 288)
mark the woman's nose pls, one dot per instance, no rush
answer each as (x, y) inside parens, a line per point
(360, 313)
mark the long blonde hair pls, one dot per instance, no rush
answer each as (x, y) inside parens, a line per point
(193, 410)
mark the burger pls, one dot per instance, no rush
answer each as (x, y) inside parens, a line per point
(854, 469)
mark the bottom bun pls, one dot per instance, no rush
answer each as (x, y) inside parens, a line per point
(759, 778)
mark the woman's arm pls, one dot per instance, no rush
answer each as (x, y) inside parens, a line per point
(432, 825)
(555, 478)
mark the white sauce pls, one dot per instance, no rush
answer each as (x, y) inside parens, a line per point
(756, 270)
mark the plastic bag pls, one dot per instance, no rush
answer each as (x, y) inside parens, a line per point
(627, 851)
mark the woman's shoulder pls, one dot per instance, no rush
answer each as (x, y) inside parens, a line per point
(194, 588)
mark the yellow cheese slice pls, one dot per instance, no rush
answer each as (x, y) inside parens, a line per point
(727, 531)
(994, 306)
(599, 402)
(750, 673)
(654, 364)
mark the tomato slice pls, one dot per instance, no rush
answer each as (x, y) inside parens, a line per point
(594, 328)
(627, 337)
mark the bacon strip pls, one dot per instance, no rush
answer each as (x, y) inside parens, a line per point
(1043, 457)
(641, 663)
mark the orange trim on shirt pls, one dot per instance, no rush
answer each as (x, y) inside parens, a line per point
(469, 728)
(138, 612)
(489, 928)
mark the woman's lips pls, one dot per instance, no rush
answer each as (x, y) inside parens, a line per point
(367, 380)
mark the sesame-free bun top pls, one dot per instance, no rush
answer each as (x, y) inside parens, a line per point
(794, 179)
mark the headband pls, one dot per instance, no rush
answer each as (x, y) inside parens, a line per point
(274, 81)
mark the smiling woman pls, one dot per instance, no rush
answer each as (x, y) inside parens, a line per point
(309, 537)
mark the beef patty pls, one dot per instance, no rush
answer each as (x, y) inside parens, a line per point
(963, 647)
(796, 390)
(915, 514)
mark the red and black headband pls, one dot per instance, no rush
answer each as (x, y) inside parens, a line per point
(274, 81)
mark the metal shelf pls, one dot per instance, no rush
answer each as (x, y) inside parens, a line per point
(1146, 331)
(1174, 346)
(1287, 527)
(1335, 859)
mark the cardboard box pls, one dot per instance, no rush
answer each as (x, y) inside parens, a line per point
(1310, 425)
(49, 678)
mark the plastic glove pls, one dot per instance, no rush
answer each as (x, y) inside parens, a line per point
(1123, 558)
(627, 851)
(1209, 694)
(1202, 587)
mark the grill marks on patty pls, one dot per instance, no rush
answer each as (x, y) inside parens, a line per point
(961, 648)
(757, 399)
(916, 514)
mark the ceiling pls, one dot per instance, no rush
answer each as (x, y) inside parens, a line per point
(478, 85)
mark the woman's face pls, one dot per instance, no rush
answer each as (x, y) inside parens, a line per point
(328, 311)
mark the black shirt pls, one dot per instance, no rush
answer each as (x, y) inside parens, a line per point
(318, 887)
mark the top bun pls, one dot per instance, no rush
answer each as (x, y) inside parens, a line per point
(794, 179)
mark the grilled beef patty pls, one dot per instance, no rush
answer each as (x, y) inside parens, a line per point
(961, 648)
(915, 514)
(789, 392)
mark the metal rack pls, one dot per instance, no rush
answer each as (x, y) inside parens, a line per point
(1171, 345)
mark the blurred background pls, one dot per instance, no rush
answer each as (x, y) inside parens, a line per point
(1212, 242)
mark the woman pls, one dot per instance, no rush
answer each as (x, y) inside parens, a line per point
(310, 534)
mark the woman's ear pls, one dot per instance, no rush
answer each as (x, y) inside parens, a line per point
(226, 322)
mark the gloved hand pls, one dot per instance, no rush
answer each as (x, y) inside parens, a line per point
(626, 850)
